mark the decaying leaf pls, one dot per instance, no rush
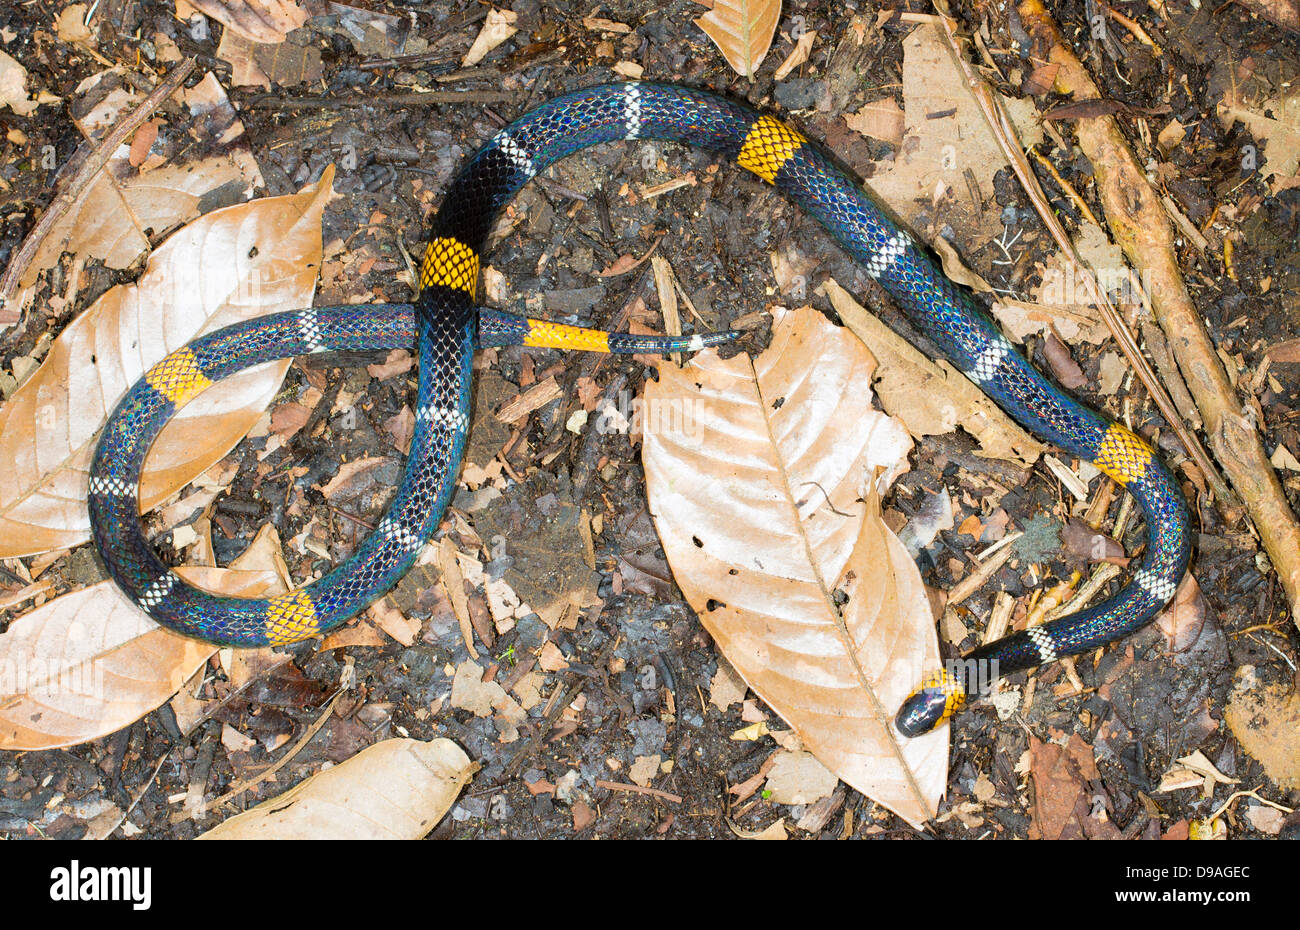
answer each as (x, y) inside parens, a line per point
(727, 687)
(1063, 805)
(13, 88)
(881, 119)
(946, 144)
(1274, 122)
(931, 397)
(266, 21)
(742, 30)
(229, 265)
(799, 778)
(756, 471)
(397, 789)
(1265, 720)
(88, 663)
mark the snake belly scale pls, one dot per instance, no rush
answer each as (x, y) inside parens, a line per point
(446, 326)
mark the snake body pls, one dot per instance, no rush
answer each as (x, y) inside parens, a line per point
(446, 327)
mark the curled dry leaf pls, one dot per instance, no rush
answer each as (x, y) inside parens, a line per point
(229, 265)
(397, 789)
(742, 30)
(774, 831)
(756, 471)
(89, 663)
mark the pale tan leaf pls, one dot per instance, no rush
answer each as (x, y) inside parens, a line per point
(742, 30)
(756, 471)
(70, 25)
(1265, 719)
(775, 831)
(946, 144)
(499, 26)
(881, 119)
(229, 265)
(89, 663)
(799, 778)
(1274, 122)
(13, 87)
(396, 789)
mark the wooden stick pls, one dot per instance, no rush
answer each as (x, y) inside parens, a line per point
(1140, 226)
(623, 786)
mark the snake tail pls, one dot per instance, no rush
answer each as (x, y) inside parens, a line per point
(446, 326)
(498, 328)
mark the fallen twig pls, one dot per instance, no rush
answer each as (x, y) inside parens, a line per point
(1004, 133)
(1138, 222)
(623, 786)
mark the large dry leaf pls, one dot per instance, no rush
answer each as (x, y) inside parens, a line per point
(229, 265)
(89, 663)
(756, 473)
(128, 207)
(742, 30)
(394, 790)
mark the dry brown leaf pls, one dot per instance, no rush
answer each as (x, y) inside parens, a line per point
(798, 55)
(931, 397)
(394, 790)
(727, 687)
(742, 30)
(755, 472)
(91, 662)
(881, 119)
(127, 207)
(229, 265)
(1274, 122)
(266, 21)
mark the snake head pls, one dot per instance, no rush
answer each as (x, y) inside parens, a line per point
(940, 695)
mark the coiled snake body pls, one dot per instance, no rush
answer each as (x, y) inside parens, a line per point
(446, 326)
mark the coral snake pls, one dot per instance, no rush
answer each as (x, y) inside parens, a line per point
(447, 326)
